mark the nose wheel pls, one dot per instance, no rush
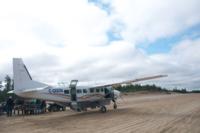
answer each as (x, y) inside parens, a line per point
(115, 105)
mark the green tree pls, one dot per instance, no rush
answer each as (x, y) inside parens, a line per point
(8, 87)
(8, 81)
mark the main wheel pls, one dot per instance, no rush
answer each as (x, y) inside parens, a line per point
(103, 109)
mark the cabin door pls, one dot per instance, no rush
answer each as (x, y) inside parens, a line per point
(73, 90)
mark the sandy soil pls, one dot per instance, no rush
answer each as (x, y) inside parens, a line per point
(150, 113)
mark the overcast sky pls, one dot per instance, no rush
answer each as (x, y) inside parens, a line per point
(103, 40)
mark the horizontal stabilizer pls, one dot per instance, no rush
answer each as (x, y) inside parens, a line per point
(35, 89)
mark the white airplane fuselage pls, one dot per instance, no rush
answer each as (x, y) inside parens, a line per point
(63, 94)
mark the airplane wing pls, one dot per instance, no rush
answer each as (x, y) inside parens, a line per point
(132, 81)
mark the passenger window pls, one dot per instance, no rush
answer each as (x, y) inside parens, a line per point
(84, 91)
(79, 91)
(66, 91)
(97, 90)
(102, 90)
(91, 90)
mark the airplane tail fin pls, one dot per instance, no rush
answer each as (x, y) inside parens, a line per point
(22, 78)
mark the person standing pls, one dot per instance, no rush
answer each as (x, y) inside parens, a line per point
(43, 106)
(9, 106)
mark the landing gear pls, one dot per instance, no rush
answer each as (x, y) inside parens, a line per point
(103, 109)
(78, 110)
(115, 105)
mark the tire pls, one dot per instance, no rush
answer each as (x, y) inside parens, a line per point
(115, 106)
(103, 109)
(78, 109)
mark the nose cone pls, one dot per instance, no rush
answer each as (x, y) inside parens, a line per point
(116, 94)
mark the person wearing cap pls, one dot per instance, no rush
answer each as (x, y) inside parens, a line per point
(9, 106)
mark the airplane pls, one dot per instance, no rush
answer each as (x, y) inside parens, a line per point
(78, 98)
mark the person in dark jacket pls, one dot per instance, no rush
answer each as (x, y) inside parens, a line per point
(43, 106)
(9, 106)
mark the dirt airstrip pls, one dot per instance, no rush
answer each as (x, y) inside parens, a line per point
(136, 113)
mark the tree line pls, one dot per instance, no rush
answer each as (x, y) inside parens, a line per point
(138, 87)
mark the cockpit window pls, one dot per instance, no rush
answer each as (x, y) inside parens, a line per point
(107, 91)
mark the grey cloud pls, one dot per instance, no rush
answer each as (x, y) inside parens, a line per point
(153, 19)
(90, 57)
